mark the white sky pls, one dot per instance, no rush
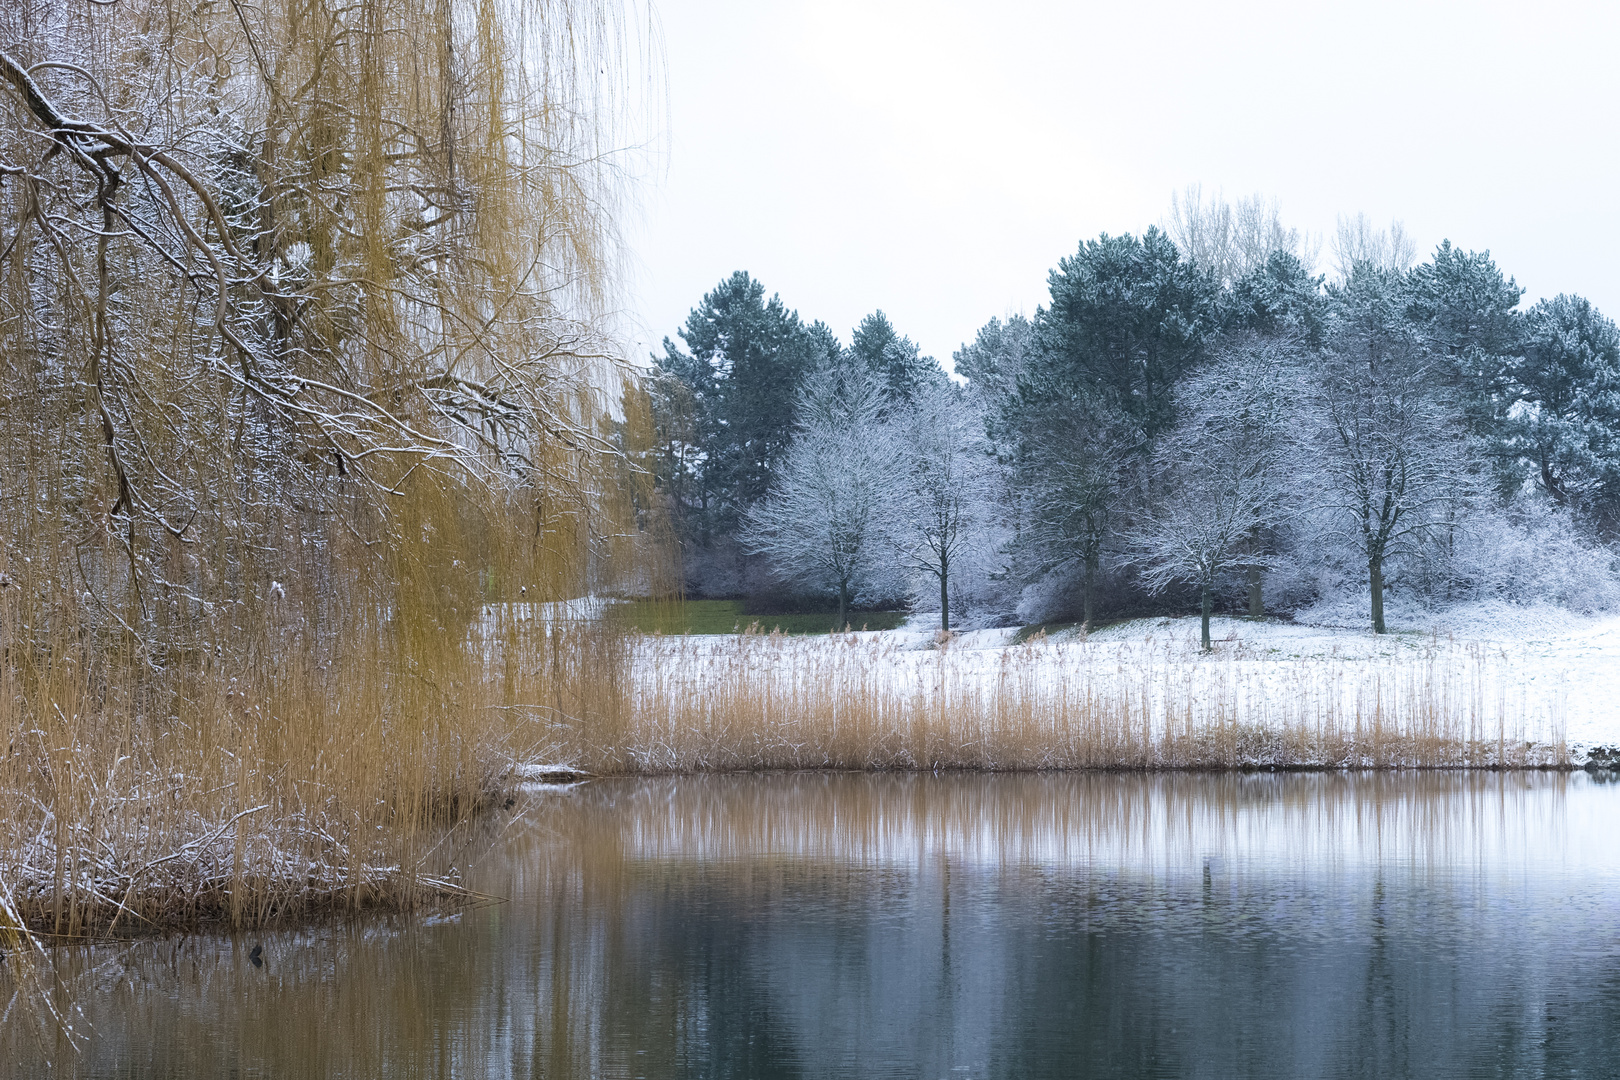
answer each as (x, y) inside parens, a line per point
(936, 159)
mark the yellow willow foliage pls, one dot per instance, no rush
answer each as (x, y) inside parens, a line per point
(306, 383)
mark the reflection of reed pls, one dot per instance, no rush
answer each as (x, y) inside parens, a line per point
(764, 701)
(1058, 819)
(666, 926)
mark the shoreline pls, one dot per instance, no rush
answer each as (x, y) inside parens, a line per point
(1135, 699)
(436, 895)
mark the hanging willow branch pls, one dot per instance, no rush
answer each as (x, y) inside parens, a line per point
(266, 270)
(354, 425)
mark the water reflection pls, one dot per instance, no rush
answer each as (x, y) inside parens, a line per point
(885, 925)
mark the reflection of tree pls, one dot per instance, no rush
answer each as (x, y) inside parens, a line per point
(659, 929)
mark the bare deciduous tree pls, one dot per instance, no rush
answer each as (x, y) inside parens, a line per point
(1228, 240)
(939, 519)
(1220, 471)
(1357, 240)
(824, 522)
(1389, 447)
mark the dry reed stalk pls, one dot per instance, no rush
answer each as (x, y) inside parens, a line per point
(255, 793)
(848, 702)
(264, 458)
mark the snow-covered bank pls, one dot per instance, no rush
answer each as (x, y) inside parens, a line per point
(1481, 673)
(1569, 663)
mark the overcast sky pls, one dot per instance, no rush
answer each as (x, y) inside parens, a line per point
(936, 159)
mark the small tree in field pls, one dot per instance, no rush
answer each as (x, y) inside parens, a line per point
(822, 524)
(1389, 443)
(938, 517)
(1075, 462)
(1221, 472)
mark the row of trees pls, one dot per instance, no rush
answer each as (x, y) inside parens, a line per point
(1227, 427)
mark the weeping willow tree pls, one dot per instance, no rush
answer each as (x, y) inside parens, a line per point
(305, 377)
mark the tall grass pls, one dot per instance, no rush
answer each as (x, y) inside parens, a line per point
(250, 793)
(295, 750)
(265, 458)
(853, 702)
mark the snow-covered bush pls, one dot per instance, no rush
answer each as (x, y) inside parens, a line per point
(1536, 557)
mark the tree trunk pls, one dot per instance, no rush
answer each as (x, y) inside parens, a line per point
(843, 606)
(1205, 622)
(1375, 574)
(944, 600)
(1090, 603)
(1257, 578)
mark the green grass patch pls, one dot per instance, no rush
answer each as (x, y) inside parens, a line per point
(728, 617)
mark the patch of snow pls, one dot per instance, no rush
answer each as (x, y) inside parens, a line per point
(1546, 665)
(541, 773)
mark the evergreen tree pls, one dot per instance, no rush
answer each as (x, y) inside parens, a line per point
(1567, 427)
(992, 365)
(1128, 318)
(1277, 299)
(905, 371)
(1465, 311)
(744, 362)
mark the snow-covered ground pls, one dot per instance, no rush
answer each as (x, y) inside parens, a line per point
(1552, 675)
(1545, 654)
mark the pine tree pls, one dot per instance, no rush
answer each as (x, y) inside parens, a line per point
(1566, 428)
(905, 371)
(745, 360)
(1279, 298)
(1128, 318)
(1465, 311)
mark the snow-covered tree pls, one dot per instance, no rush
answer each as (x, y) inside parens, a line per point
(1565, 427)
(1279, 298)
(940, 519)
(1073, 469)
(906, 372)
(1465, 310)
(1389, 443)
(1220, 472)
(823, 523)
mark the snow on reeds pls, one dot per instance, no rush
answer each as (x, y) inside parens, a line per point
(255, 792)
(857, 702)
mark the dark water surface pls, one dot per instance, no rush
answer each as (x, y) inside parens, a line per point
(838, 925)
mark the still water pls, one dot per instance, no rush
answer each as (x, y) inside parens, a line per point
(854, 925)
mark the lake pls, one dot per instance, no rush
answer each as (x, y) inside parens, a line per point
(959, 925)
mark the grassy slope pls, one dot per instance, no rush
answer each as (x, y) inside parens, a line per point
(728, 617)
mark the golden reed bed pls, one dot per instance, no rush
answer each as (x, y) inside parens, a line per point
(853, 702)
(272, 792)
